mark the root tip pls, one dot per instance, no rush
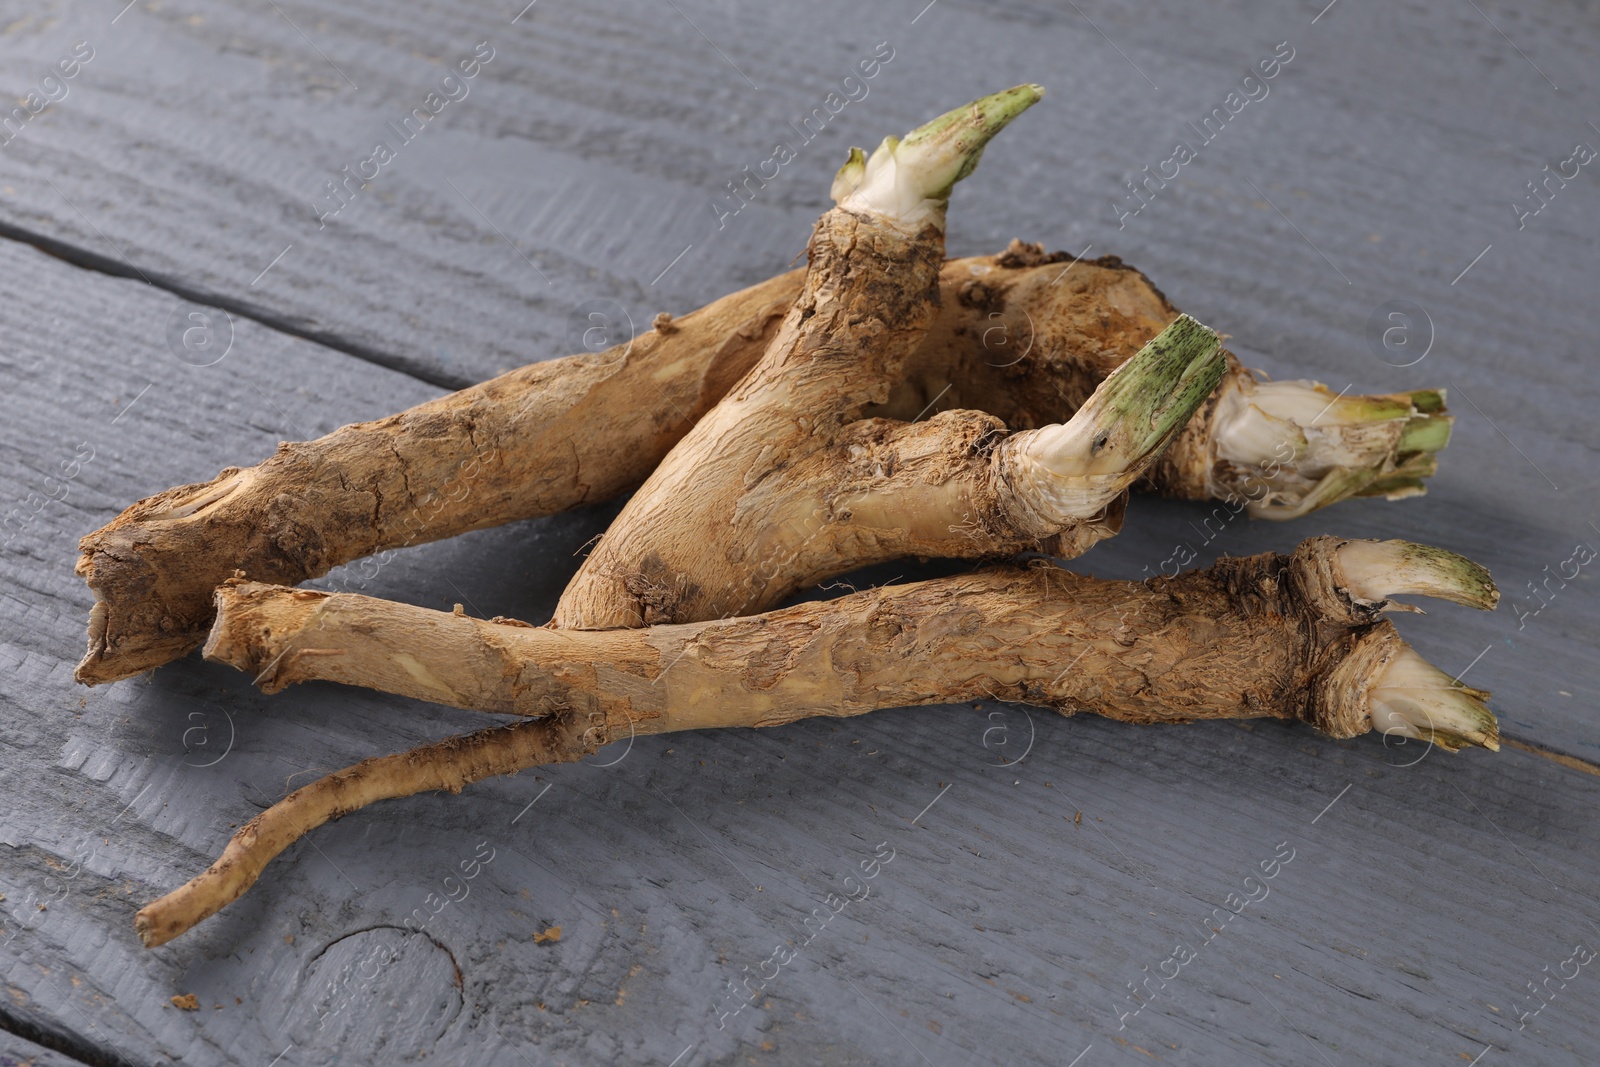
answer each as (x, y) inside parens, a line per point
(1377, 571)
(149, 931)
(908, 180)
(1415, 699)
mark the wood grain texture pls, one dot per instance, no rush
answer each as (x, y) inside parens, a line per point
(19, 1052)
(1416, 908)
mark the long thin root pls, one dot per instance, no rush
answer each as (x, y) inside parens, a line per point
(447, 765)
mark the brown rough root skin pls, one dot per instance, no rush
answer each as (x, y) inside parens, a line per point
(450, 765)
(538, 440)
(715, 526)
(1266, 635)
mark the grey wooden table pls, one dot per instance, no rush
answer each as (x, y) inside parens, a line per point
(184, 167)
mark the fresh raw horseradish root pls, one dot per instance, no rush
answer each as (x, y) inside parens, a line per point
(1033, 334)
(1292, 637)
(750, 505)
(699, 543)
(1023, 336)
(780, 439)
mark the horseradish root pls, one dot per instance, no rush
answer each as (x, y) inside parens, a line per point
(801, 452)
(450, 765)
(1035, 333)
(1023, 336)
(957, 486)
(1267, 635)
(724, 524)
(538, 440)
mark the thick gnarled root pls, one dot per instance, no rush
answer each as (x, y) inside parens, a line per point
(956, 486)
(1253, 636)
(728, 522)
(1032, 334)
(538, 440)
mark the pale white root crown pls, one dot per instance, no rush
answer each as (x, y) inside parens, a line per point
(1413, 698)
(1299, 446)
(1074, 470)
(907, 180)
(1375, 572)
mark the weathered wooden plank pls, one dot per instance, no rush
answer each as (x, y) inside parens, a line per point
(602, 162)
(1346, 945)
(1415, 909)
(19, 1052)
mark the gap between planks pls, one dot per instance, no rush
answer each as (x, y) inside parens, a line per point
(85, 259)
(74, 1047)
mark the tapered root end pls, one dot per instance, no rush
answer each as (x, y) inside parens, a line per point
(195, 901)
(908, 180)
(1413, 698)
(1375, 572)
(1293, 447)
